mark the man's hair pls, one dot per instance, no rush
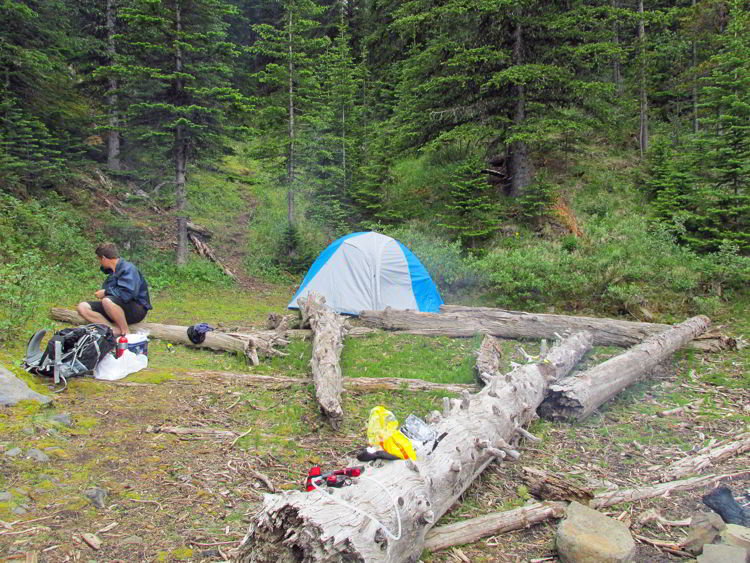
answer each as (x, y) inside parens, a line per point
(107, 250)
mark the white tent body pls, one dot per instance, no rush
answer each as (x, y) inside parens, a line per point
(369, 272)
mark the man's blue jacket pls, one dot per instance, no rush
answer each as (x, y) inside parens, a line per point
(127, 283)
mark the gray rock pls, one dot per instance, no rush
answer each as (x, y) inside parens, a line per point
(37, 455)
(30, 430)
(64, 418)
(721, 553)
(13, 452)
(587, 536)
(97, 496)
(705, 528)
(18, 510)
(13, 390)
(5, 496)
(132, 540)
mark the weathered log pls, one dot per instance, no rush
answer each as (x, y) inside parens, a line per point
(488, 360)
(199, 230)
(707, 456)
(350, 383)
(546, 486)
(329, 329)
(185, 430)
(385, 515)
(473, 529)
(459, 321)
(252, 345)
(205, 251)
(577, 397)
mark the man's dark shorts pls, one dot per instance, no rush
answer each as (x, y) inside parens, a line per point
(134, 312)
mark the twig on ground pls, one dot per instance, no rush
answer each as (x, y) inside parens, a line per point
(238, 437)
(148, 502)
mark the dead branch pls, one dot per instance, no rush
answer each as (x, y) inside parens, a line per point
(707, 456)
(205, 251)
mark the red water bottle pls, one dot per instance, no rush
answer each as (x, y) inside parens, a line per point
(122, 345)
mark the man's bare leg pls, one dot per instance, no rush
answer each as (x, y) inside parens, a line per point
(85, 310)
(115, 312)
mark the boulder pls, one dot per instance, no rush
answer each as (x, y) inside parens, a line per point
(737, 535)
(13, 390)
(705, 528)
(587, 536)
(721, 553)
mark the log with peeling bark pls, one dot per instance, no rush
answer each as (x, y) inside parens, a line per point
(488, 360)
(708, 456)
(547, 486)
(329, 329)
(459, 321)
(578, 397)
(205, 251)
(199, 230)
(384, 516)
(350, 383)
(251, 345)
(473, 529)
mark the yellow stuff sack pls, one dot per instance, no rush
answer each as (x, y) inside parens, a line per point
(382, 431)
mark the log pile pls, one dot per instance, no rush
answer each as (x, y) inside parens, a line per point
(384, 517)
(252, 345)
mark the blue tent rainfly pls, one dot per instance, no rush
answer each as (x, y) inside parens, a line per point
(369, 272)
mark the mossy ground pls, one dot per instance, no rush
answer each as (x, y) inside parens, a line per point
(185, 497)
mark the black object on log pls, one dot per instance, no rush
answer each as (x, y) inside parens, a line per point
(721, 501)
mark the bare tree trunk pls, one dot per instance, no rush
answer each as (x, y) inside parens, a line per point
(578, 397)
(519, 166)
(291, 154)
(387, 512)
(113, 134)
(616, 70)
(180, 158)
(459, 321)
(329, 330)
(695, 81)
(643, 134)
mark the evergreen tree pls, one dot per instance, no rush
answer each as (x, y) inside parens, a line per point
(176, 66)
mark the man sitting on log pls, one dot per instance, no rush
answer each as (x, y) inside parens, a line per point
(124, 294)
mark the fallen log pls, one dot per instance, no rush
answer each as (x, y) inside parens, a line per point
(251, 345)
(577, 397)
(329, 329)
(473, 529)
(199, 230)
(546, 486)
(205, 251)
(707, 456)
(385, 515)
(462, 322)
(352, 383)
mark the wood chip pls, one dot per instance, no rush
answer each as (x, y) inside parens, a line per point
(92, 541)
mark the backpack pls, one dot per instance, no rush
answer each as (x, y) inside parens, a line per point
(71, 352)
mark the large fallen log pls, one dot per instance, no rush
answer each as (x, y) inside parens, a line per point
(458, 321)
(350, 383)
(251, 345)
(329, 329)
(473, 529)
(577, 397)
(707, 456)
(385, 515)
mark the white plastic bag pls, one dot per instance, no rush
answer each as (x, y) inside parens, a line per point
(112, 369)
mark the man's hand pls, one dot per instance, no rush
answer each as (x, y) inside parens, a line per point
(99, 294)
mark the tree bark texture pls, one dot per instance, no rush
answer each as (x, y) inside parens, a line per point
(329, 329)
(113, 133)
(389, 510)
(578, 397)
(643, 98)
(252, 345)
(518, 161)
(350, 383)
(488, 360)
(460, 321)
(180, 151)
(469, 531)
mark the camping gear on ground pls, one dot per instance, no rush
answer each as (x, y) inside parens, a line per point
(138, 343)
(382, 430)
(415, 428)
(112, 369)
(197, 333)
(336, 478)
(122, 345)
(370, 454)
(369, 272)
(71, 352)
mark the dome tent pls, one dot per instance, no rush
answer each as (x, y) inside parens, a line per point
(369, 272)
